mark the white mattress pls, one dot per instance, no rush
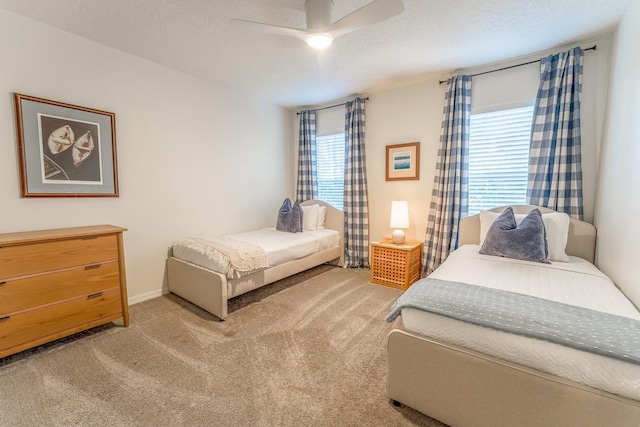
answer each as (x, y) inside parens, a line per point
(577, 282)
(279, 246)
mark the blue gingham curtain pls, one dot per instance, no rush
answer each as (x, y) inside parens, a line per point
(555, 165)
(356, 209)
(449, 198)
(307, 186)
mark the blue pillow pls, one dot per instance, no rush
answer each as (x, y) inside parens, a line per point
(289, 217)
(527, 242)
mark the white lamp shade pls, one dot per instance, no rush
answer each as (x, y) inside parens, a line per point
(399, 214)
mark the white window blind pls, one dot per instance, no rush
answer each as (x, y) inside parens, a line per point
(499, 158)
(330, 164)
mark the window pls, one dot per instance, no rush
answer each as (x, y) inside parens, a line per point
(330, 164)
(499, 158)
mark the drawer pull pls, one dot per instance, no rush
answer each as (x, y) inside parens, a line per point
(92, 267)
(2, 319)
(96, 295)
(89, 237)
(3, 283)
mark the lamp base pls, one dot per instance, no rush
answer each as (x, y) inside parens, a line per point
(398, 237)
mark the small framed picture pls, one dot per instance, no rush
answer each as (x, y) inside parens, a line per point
(403, 161)
(65, 150)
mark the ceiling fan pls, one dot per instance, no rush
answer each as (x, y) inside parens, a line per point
(320, 31)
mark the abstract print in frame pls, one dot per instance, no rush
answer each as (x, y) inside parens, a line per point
(65, 150)
(403, 161)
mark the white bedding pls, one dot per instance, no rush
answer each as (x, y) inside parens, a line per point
(577, 282)
(279, 246)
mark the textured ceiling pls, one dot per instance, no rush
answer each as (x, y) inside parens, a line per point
(194, 36)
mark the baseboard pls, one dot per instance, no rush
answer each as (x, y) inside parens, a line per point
(146, 296)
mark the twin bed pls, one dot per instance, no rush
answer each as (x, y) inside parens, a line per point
(461, 371)
(202, 274)
(464, 374)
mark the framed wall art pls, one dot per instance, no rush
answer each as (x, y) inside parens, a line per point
(65, 150)
(403, 161)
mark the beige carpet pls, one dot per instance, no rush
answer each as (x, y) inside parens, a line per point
(308, 350)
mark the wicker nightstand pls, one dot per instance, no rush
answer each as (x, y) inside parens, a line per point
(395, 265)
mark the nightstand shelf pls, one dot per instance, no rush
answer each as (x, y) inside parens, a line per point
(395, 265)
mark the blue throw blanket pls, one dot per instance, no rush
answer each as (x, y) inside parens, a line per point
(588, 330)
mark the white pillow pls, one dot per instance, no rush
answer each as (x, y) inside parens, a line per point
(322, 212)
(310, 217)
(556, 224)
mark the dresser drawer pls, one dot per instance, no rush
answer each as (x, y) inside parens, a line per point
(28, 259)
(21, 294)
(53, 321)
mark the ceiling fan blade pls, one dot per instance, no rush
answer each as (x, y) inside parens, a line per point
(372, 13)
(269, 29)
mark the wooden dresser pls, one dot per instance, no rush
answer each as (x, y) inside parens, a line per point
(54, 283)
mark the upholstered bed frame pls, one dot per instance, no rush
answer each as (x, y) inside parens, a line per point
(211, 290)
(460, 387)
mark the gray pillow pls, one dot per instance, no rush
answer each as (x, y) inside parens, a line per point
(527, 242)
(289, 217)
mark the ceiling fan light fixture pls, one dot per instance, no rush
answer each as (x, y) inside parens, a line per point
(319, 40)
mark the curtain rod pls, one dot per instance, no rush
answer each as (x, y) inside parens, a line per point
(514, 66)
(331, 106)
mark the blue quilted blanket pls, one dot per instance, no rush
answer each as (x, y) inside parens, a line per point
(580, 328)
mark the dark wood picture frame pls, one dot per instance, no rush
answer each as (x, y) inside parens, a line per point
(65, 150)
(403, 162)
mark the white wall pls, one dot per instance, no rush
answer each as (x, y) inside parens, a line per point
(617, 198)
(414, 113)
(193, 157)
(408, 114)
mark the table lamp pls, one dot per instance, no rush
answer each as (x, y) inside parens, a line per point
(399, 220)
